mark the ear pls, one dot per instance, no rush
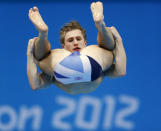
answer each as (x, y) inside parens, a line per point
(85, 42)
(62, 45)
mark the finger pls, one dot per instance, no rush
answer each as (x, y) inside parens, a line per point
(93, 3)
(35, 38)
(30, 40)
(99, 5)
(30, 43)
(115, 33)
(30, 47)
(30, 10)
(114, 30)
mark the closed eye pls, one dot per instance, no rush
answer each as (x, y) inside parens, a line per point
(78, 38)
(70, 39)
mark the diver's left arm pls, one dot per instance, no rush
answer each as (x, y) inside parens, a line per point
(119, 67)
(105, 38)
(36, 80)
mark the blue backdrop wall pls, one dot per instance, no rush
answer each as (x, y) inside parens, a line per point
(132, 102)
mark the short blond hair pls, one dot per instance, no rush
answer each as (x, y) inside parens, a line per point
(69, 27)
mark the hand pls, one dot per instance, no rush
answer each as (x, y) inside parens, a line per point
(97, 11)
(37, 20)
(115, 33)
(30, 48)
(118, 40)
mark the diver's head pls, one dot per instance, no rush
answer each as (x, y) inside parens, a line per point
(73, 36)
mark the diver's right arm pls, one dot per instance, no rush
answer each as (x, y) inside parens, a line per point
(42, 45)
(36, 81)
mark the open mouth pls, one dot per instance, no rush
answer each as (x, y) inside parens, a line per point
(77, 49)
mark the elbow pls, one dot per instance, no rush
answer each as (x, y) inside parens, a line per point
(34, 84)
(34, 88)
(122, 73)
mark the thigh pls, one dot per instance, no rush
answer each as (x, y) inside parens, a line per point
(102, 56)
(48, 64)
(42, 48)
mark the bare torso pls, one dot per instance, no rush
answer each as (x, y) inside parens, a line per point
(102, 56)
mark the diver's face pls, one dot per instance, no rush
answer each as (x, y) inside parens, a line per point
(74, 41)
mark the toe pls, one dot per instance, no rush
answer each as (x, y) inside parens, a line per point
(30, 12)
(92, 5)
(35, 8)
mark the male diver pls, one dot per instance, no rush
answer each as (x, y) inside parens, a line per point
(108, 58)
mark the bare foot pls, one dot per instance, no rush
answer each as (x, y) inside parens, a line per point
(97, 11)
(37, 20)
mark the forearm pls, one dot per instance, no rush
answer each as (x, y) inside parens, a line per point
(105, 38)
(32, 73)
(120, 59)
(42, 46)
(119, 66)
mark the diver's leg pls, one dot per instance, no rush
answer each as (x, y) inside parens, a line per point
(42, 45)
(103, 56)
(105, 37)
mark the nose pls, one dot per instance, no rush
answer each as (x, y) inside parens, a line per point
(75, 42)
